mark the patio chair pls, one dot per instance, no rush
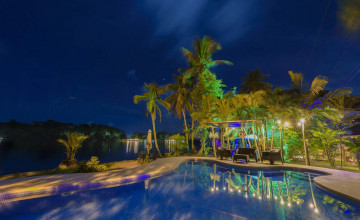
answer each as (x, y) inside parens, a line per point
(223, 152)
(251, 152)
(271, 156)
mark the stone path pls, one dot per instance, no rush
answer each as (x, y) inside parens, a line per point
(340, 182)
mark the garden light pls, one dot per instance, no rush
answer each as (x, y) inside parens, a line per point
(302, 120)
(286, 124)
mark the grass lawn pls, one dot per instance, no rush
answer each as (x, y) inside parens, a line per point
(324, 163)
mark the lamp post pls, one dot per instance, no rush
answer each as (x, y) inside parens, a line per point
(302, 122)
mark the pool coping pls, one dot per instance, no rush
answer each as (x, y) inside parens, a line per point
(343, 183)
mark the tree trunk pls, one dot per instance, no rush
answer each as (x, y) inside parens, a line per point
(307, 158)
(272, 138)
(213, 140)
(186, 130)
(266, 137)
(155, 139)
(281, 145)
(193, 149)
(341, 154)
(256, 145)
(227, 138)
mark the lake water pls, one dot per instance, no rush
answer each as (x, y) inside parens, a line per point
(23, 161)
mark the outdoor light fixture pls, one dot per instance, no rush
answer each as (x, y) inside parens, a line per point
(316, 210)
(217, 188)
(278, 121)
(311, 205)
(297, 202)
(259, 197)
(289, 204)
(212, 189)
(239, 191)
(246, 196)
(302, 120)
(224, 188)
(286, 124)
(299, 123)
(282, 202)
(254, 194)
(275, 197)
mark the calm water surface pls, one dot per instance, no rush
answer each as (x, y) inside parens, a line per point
(196, 191)
(20, 161)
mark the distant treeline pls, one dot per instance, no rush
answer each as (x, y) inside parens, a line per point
(162, 135)
(42, 136)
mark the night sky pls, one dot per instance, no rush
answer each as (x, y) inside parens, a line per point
(83, 61)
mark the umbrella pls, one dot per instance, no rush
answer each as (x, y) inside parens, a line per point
(148, 144)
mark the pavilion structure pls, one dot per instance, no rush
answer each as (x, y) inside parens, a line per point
(254, 133)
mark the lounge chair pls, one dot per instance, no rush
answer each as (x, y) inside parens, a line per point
(223, 152)
(248, 151)
(271, 156)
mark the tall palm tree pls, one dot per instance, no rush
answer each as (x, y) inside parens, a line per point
(72, 143)
(152, 96)
(200, 60)
(179, 100)
(254, 82)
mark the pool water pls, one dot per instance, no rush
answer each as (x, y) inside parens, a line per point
(196, 190)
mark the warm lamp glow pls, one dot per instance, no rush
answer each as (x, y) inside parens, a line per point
(286, 124)
(302, 120)
(299, 123)
(278, 121)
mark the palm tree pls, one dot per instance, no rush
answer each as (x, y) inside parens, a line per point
(72, 144)
(179, 100)
(254, 82)
(200, 60)
(152, 96)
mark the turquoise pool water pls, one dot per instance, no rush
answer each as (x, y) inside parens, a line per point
(195, 190)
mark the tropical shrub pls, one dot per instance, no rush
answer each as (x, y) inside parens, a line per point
(293, 144)
(91, 166)
(143, 161)
(179, 143)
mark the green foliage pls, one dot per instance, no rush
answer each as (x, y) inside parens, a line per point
(325, 139)
(294, 145)
(206, 151)
(91, 166)
(143, 161)
(254, 82)
(179, 143)
(72, 143)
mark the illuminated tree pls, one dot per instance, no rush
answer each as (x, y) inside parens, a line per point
(72, 144)
(179, 100)
(152, 96)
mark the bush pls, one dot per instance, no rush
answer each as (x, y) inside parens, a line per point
(143, 161)
(91, 166)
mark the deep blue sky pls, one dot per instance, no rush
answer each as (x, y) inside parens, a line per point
(82, 61)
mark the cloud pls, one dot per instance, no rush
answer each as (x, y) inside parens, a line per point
(132, 75)
(226, 21)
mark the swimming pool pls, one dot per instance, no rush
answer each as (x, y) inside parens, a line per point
(195, 190)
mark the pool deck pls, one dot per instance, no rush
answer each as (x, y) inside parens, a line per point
(340, 182)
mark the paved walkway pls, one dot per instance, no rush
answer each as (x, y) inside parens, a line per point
(340, 182)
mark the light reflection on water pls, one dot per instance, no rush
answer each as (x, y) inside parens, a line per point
(196, 191)
(20, 161)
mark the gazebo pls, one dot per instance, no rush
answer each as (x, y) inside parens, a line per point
(253, 133)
